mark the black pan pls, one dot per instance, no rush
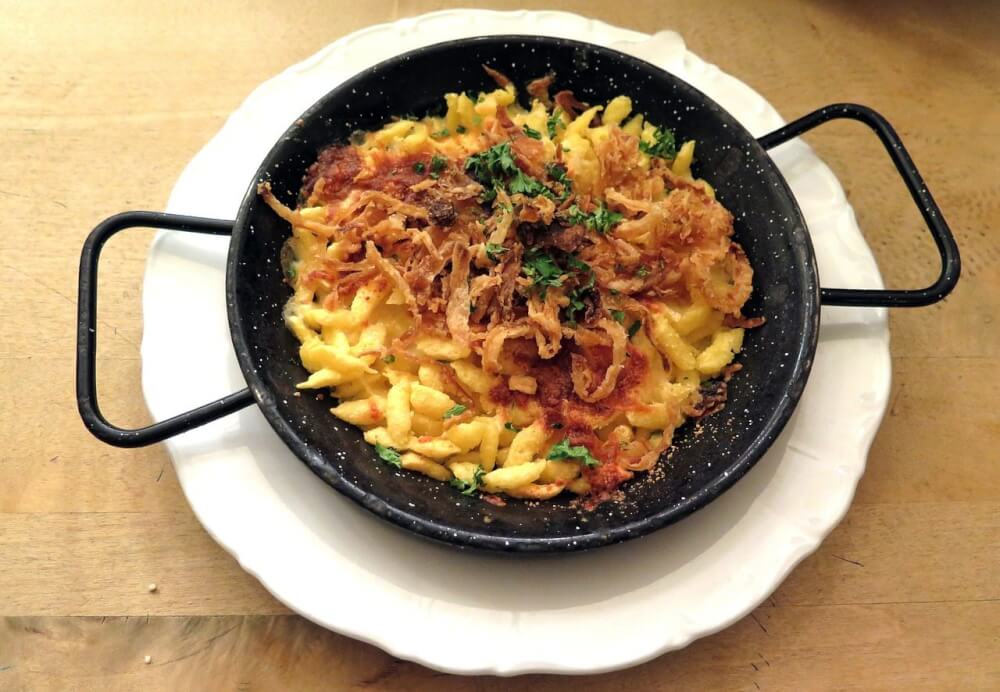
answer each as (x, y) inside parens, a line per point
(769, 225)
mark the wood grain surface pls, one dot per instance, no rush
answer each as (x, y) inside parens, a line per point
(103, 103)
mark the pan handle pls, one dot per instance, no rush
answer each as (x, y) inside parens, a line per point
(950, 262)
(86, 336)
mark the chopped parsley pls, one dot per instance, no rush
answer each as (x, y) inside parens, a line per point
(493, 251)
(634, 329)
(460, 129)
(438, 163)
(388, 455)
(469, 487)
(419, 167)
(526, 185)
(495, 162)
(554, 121)
(664, 145)
(455, 410)
(542, 269)
(618, 315)
(601, 219)
(531, 132)
(491, 168)
(547, 270)
(495, 168)
(577, 306)
(604, 219)
(576, 216)
(510, 426)
(559, 174)
(573, 262)
(441, 133)
(390, 359)
(642, 272)
(290, 272)
(563, 450)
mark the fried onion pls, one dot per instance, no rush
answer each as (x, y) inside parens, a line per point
(581, 374)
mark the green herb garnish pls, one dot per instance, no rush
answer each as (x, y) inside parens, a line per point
(455, 410)
(578, 294)
(495, 168)
(601, 219)
(575, 308)
(389, 359)
(438, 163)
(576, 216)
(419, 167)
(469, 487)
(526, 185)
(642, 272)
(575, 263)
(492, 167)
(634, 329)
(493, 251)
(618, 315)
(388, 455)
(554, 121)
(441, 133)
(542, 269)
(545, 270)
(532, 132)
(664, 144)
(510, 426)
(559, 174)
(563, 450)
(460, 129)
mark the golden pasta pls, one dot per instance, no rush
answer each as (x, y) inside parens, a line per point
(516, 299)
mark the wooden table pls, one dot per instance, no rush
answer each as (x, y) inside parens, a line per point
(101, 105)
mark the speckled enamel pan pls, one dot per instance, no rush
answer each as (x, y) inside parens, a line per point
(776, 357)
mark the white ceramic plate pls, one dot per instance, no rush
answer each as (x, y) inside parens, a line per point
(471, 613)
